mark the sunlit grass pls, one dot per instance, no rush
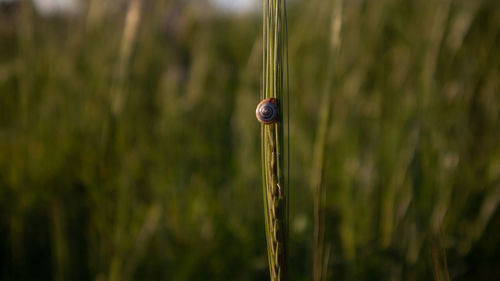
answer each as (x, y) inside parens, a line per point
(396, 126)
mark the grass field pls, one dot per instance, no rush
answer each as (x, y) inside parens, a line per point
(129, 148)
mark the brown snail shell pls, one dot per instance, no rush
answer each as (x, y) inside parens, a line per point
(267, 111)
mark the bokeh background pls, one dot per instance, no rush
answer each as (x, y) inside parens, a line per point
(129, 148)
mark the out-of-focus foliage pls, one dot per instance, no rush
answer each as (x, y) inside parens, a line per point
(129, 148)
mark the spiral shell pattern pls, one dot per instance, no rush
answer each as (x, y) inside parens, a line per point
(267, 111)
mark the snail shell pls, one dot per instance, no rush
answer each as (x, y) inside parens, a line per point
(267, 111)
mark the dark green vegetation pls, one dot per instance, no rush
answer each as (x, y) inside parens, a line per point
(129, 148)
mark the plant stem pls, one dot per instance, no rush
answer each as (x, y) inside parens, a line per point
(320, 250)
(273, 144)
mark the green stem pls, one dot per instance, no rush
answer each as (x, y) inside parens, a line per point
(273, 137)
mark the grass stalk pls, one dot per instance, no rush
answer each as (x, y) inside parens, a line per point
(128, 40)
(273, 142)
(320, 250)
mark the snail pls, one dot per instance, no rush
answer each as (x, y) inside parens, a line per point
(267, 111)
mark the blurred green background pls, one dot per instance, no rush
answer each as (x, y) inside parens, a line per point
(129, 148)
